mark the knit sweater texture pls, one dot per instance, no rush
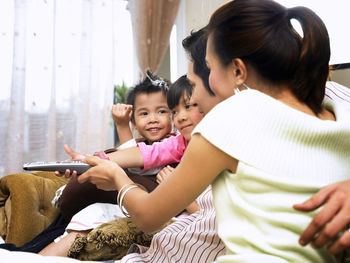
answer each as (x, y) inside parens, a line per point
(284, 157)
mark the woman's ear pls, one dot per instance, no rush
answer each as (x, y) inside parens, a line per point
(240, 71)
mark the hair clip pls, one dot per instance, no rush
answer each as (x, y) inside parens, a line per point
(156, 81)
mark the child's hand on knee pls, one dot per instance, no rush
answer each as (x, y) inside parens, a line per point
(164, 173)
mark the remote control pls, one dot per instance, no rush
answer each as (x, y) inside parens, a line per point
(62, 166)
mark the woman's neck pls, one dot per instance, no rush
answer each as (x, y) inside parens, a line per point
(288, 98)
(285, 95)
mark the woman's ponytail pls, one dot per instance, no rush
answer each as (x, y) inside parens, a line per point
(261, 34)
(313, 63)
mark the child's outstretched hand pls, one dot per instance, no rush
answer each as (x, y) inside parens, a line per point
(121, 114)
(164, 173)
(75, 156)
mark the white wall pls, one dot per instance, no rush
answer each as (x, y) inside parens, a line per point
(198, 12)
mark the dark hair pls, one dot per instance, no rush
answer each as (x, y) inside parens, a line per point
(195, 45)
(261, 34)
(177, 91)
(150, 84)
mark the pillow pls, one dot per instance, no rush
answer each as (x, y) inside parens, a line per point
(110, 240)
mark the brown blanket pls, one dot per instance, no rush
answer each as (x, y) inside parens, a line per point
(110, 240)
(25, 205)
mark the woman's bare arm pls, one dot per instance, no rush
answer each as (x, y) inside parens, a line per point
(196, 171)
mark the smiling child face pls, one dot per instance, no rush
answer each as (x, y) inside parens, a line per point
(186, 116)
(152, 116)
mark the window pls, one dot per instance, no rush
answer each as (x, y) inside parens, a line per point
(59, 62)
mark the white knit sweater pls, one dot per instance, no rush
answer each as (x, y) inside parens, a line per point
(284, 157)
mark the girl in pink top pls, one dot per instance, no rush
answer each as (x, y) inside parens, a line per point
(186, 116)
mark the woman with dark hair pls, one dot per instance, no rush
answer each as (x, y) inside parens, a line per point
(271, 142)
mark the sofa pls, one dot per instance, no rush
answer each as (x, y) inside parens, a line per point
(25, 205)
(26, 210)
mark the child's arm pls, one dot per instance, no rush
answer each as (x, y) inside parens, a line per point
(162, 153)
(146, 156)
(151, 156)
(127, 158)
(121, 114)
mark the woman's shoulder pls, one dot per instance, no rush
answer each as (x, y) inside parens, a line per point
(234, 116)
(246, 105)
(246, 99)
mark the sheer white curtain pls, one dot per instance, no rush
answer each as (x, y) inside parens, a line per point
(56, 78)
